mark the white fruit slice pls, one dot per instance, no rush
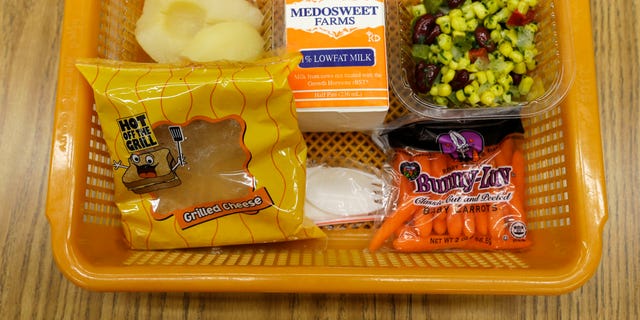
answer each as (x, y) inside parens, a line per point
(166, 27)
(233, 40)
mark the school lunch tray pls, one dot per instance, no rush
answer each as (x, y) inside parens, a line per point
(566, 206)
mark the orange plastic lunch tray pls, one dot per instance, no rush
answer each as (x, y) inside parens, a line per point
(566, 206)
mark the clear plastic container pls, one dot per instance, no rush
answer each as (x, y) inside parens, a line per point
(555, 68)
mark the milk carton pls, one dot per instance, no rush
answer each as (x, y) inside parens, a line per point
(341, 83)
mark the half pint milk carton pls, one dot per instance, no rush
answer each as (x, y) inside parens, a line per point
(341, 83)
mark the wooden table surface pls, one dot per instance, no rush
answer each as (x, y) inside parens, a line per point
(31, 287)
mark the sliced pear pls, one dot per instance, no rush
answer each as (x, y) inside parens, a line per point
(166, 27)
(230, 40)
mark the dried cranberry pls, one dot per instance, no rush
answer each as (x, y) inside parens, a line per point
(425, 30)
(425, 75)
(460, 80)
(483, 37)
(454, 3)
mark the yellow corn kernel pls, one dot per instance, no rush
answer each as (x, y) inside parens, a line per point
(469, 89)
(447, 75)
(445, 57)
(497, 90)
(444, 89)
(505, 81)
(444, 41)
(505, 48)
(525, 85)
(458, 24)
(455, 13)
(531, 65)
(481, 76)
(434, 90)
(460, 96)
(520, 68)
(492, 22)
(530, 54)
(503, 15)
(512, 4)
(440, 101)
(445, 24)
(467, 11)
(516, 56)
(454, 65)
(479, 9)
(492, 5)
(463, 63)
(523, 7)
(473, 98)
(496, 35)
(491, 77)
(532, 3)
(472, 24)
(487, 98)
(532, 27)
(459, 34)
(508, 67)
(512, 36)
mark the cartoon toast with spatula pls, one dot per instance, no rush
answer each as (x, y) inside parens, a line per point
(152, 170)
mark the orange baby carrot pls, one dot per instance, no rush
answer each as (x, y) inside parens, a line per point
(517, 202)
(405, 198)
(462, 219)
(468, 216)
(518, 180)
(439, 165)
(497, 218)
(497, 222)
(440, 220)
(423, 218)
(417, 245)
(454, 218)
(482, 223)
(504, 153)
(431, 243)
(404, 185)
(392, 223)
(440, 225)
(469, 228)
(454, 223)
(423, 222)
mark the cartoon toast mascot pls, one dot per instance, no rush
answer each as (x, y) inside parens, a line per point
(155, 169)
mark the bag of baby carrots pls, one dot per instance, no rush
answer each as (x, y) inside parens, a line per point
(457, 185)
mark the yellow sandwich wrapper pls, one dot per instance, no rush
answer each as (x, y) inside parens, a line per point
(203, 155)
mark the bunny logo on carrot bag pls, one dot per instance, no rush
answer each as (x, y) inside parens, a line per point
(458, 185)
(205, 155)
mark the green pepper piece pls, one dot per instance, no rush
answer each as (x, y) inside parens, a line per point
(432, 6)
